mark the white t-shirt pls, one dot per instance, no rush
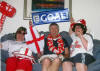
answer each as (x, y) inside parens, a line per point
(15, 46)
(77, 46)
(12, 46)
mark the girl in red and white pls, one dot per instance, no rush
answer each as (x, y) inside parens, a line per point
(81, 48)
(17, 61)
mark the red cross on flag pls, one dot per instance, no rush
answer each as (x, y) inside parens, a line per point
(34, 40)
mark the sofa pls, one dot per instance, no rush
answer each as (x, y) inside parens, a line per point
(95, 66)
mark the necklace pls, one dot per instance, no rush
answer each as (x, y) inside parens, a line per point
(51, 46)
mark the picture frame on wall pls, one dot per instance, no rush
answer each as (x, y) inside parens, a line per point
(31, 6)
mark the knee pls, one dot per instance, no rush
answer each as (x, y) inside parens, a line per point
(46, 61)
(57, 60)
(67, 66)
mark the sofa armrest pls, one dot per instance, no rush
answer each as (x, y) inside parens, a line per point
(4, 55)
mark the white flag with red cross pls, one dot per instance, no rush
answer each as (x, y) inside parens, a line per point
(34, 40)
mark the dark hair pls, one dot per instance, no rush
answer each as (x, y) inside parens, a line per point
(53, 24)
(84, 28)
(20, 29)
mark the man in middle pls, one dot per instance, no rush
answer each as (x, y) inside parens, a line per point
(55, 50)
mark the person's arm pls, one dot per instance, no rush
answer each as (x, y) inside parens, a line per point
(84, 42)
(90, 42)
(87, 41)
(0, 45)
(70, 31)
(66, 49)
(71, 24)
(66, 55)
(83, 39)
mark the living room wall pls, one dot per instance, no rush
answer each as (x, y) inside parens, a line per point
(90, 11)
(84, 9)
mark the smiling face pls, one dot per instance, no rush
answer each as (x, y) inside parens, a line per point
(54, 30)
(20, 36)
(79, 26)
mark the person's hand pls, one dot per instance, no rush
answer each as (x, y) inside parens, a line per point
(61, 56)
(39, 55)
(30, 23)
(72, 20)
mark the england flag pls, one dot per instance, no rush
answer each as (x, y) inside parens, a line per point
(34, 40)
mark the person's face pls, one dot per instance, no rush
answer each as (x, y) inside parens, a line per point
(54, 31)
(20, 36)
(78, 30)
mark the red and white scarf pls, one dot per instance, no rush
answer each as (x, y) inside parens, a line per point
(57, 50)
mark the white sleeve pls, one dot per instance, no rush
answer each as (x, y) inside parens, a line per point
(73, 35)
(90, 42)
(5, 45)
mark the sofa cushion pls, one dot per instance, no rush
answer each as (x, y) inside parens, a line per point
(96, 50)
(10, 36)
(95, 66)
(4, 55)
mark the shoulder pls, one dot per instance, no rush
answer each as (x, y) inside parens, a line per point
(10, 36)
(88, 36)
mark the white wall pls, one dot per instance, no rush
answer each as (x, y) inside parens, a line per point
(87, 9)
(90, 11)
